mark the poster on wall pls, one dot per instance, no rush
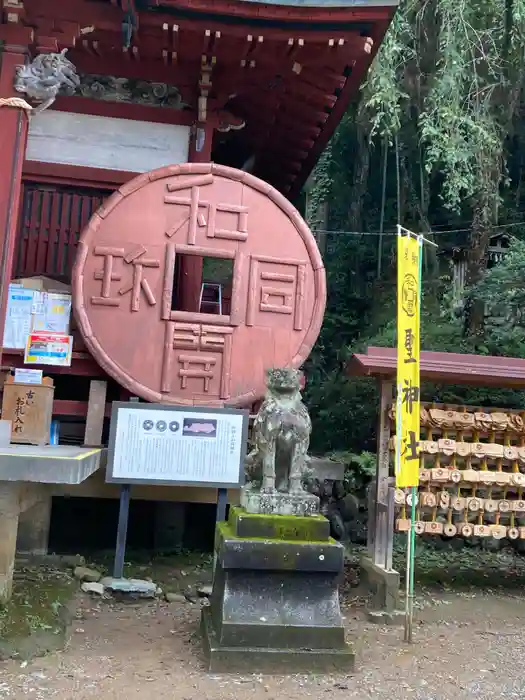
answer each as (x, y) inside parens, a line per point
(48, 349)
(54, 315)
(178, 445)
(20, 306)
(31, 310)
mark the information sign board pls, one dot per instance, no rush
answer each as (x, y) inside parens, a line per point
(177, 445)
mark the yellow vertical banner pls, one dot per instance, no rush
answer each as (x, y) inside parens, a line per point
(408, 387)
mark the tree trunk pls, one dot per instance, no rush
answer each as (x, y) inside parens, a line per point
(480, 234)
(360, 174)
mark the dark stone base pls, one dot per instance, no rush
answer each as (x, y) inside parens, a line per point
(270, 661)
(381, 585)
(274, 607)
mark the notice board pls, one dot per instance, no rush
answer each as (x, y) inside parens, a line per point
(177, 445)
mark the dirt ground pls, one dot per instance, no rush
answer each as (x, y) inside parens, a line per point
(467, 645)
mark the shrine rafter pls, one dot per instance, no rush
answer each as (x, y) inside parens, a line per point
(285, 73)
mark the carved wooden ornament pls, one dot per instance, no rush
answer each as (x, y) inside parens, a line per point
(123, 285)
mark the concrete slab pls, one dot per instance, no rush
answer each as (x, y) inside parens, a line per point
(49, 464)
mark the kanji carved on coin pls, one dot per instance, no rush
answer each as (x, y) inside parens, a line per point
(276, 286)
(208, 218)
(139, 262)
(202, 343)
(107, 275)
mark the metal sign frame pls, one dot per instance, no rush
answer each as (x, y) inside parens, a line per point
(136, 406)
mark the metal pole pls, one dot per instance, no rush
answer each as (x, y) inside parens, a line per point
(122, 528)
(122, 531)
(222, 502)
(409, 583)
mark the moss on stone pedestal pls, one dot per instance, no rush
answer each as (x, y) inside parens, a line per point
(290, 528)
(276, 554)
(275, 601)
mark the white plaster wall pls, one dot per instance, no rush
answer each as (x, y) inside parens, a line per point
(105, 142)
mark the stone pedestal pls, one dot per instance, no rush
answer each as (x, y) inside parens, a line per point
(9, 513)
(275, 503)
(33, 528)
(275, 600)
(383, 588)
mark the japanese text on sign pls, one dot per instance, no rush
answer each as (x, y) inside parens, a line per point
(22, 402)
(408, 380)
(152, 444)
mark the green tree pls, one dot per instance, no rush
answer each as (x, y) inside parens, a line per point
(436, 140)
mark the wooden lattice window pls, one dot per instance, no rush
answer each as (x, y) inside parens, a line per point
(51, 219)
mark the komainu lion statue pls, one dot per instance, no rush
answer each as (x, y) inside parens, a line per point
(46, 76)
(281, 432)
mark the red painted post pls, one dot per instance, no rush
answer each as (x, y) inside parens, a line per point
(13, 139)
(190, 278)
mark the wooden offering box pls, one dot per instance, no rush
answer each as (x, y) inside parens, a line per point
(29, 407)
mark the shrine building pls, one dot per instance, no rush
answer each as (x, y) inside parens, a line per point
(256, 87)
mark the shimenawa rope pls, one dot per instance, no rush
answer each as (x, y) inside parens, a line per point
(17, 102)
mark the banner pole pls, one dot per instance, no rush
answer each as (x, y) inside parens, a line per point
(412, 539)
(408, 406)
(411, 550)
(408, 576)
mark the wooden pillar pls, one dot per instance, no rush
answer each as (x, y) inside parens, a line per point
(376, 540)
(191, 265)
(9, 513)
(95, 413)
(13, 139)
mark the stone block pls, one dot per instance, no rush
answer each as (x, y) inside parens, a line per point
(93, 587)
(313, 528)
(277, 503)
(9, 515)
(381, 585)
(274, 607)
(49, 464)
(131, 586)
(327, 469)
(83, 573)
(33, 528)
(237, 553)
(223, 659)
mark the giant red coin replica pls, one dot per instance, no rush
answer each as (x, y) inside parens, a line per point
(125, 285)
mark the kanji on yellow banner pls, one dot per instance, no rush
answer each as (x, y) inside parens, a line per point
(408, 386)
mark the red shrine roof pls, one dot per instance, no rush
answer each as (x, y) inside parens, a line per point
(444, 367)
(287, 69)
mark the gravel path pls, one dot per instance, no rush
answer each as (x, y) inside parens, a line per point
(467, 646)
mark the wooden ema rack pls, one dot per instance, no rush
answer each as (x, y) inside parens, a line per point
(472, 473)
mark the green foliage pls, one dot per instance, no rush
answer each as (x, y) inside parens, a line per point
(445, 566)
(344, 409)
(385, 96)
(321, 185)
(456, 66)
(360, 469)
(502, 291)
(445, 92)
(459, 124)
